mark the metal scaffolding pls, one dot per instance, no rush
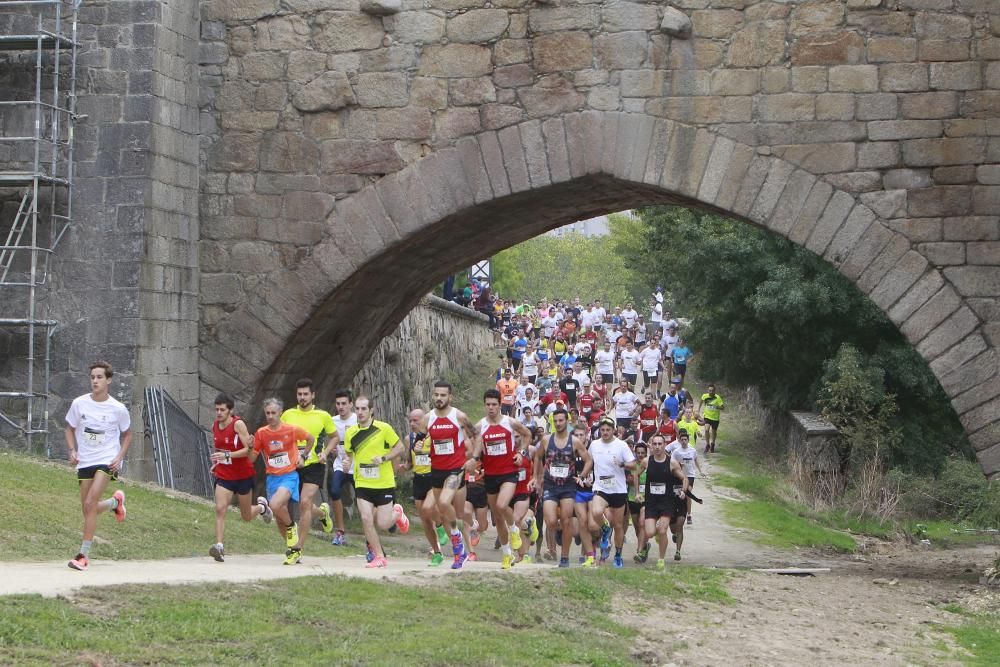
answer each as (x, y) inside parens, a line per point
(38, 49)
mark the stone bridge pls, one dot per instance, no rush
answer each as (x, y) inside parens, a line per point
(312, 167)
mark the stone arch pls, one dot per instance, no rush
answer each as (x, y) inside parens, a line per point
(387, 244)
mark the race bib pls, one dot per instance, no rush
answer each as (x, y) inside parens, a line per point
(369, 471)
(679, 490)
(647, 422)
(607, 483)
(279, 460)
(498, 449)
(470, 478)
(444, 447)
(522, 475)
(559, 470)
(94, 437)
(657, 489)
(422, 460)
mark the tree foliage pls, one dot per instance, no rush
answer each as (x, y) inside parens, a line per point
(767, 312)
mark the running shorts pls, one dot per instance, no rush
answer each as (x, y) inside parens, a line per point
(90, 471)
(421, 486)
(634, 507)
(336, 483)
(476, 494)
(614, 500)
(494, 482)
(584, 496)
(438, 477)
(290, 481)
(312, 474)
(240, 487)
(714, 423)
(659, 510)
(519, 498)
(376, 497)
(559, 493)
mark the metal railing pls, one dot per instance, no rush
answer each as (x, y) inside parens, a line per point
(181, 448)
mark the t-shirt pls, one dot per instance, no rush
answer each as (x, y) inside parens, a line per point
(342, 426)
(549, 325)
(508, 391)
(609, 476)
(650, 358)
(630, 360)
(672, 405)
(690, 426)
(656, 314)
(367, 443)
(279, 447)
(605, 362)
(667, 342)
(686, 456)
(97, 427)
(625, 402)
(569, 386)
(525, 403)
(629, 317)
(711, 406)
(522, 391)
(520, 345)
(317, 422)
(530, 362)
(588, 318)
(567, 360)
(681, 354)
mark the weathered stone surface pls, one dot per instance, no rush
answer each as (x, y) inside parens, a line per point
(552, 94)
(328, 92)
(758, 44)
(381, 89)
(676, 23)
(840, 48)
(621, 50)
(347, 31)
(812, 17)
(418, 26)
(360, 157)
(381, 7)
(478, 25)
(455, 60)
(561, 52)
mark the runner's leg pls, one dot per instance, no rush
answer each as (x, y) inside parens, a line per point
(567, 508)
(91, 491)
(223, 497)
(307, 495)
(367, 513)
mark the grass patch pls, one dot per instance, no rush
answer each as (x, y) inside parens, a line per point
(979, 636)
(491, 620)
(40, 519)
(781, 526)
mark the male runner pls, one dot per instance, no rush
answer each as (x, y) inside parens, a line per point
(629, 360)
(612, 459)
(605, 360)
(234, 475)
(665, 506)
(419, 461)
(554, 473)
(449, 430)
(584, 494)
(507, 387)
(647, 417)
(680, 356)
(277, 443)
(98, 435)
(626, 404)
(317, 422)
(688, 458)
(343, 401)
(373, 447)
(650, 360)
(710, 406)
(501, 457)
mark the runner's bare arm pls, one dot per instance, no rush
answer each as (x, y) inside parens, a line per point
(253, 453)
(539, 468)
(395, 452)
(116, 463)
(70, 434)
(245, 438)
(470, 431)
(675, 469)
(588, 461)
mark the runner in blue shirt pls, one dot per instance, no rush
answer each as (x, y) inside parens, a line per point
(681, 355)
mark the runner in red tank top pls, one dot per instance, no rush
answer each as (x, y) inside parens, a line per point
(234, 474)
(647, 417)
(501, 461)
(449, 431)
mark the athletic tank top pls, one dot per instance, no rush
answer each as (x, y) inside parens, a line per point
(586, 402)
(647, 419)
(498, 447)
(578, 460)
(524, 474)
(559, 462)
(227, 440)
(447, 441)
(421, 462)
(659, 481)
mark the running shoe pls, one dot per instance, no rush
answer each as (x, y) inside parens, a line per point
(119, 495)
(549, 555)
(515, 539)
(324, 517)
(339, 540)
(402, 521)
(677, 555)
(79, 563)
(689, 520)
(642, 554)
(589, 561)
(605, 536)
(534, 530)
(457, 547)
(564, 562)
(474, 537)
(436, 559)
(442, 537)
(459, 561)
(378, 562)
(496, 544)
(473, 556)
(291, 536)
(526, 559)
(605, 553)
(265, 510)
(619, 563)
(661, 564)
(293, 557)
(369, 554)
(218, 553)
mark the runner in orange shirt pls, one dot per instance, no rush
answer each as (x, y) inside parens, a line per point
(508, 393)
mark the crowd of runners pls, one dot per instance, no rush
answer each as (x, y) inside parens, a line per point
(589, 430)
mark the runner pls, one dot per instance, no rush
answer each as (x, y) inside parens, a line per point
(650, 359)
(635, 482)
(570, 386)
(98, 435)
(277, 443)
(664, 494)
(688, 458)
(373, 447)
(553, 465)
(647, 417)
(681, 355)
(628, 362)
(710, 406)
(312, 474)
(691, 424)
(475, 516)
(419, 462)
(612, 459)
(605, 361)
(233, 473)
(507, 387)
(586, 527)
(343, 401)
(501, 461)
(522, 502)
(449, 430)
(626, 404)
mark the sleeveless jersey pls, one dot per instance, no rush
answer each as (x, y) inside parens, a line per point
(558, 462)
(659, 482)
(586, 402)
(668, 430)
(498, 447)
(447, 441)
(226, 440)
(421, 462)
(524, 474)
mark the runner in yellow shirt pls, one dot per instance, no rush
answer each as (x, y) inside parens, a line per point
(374, 447)
(710, 406)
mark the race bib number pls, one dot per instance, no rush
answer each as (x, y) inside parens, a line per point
(657, 489)
(498, 449)
(279, 460)
(607, 483)
(369, 471)
(647, 422)
(422, 460)
(522, 475)
(94, 437)
(444, 447)
(559, 470)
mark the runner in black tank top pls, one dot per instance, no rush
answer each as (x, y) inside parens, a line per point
(666, 502)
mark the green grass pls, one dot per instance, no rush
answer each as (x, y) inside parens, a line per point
(488, 620)
(979, 635)
(40, 519)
